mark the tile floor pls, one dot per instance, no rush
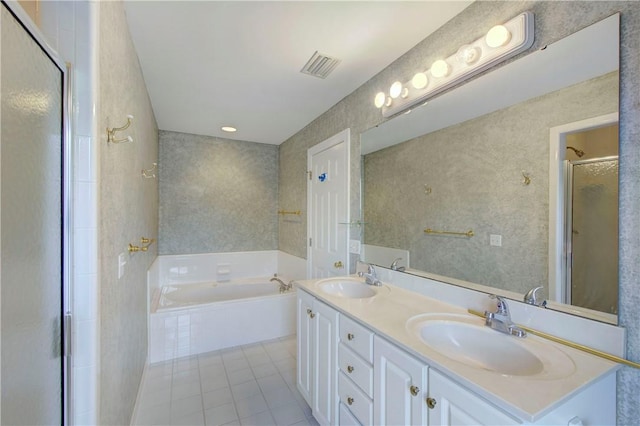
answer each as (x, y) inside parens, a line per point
(245, 385)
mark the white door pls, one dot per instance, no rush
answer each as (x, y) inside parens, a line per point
(328, 207)
(32, 145)
(399, 386)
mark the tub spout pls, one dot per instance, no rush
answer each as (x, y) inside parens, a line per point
(283, 287)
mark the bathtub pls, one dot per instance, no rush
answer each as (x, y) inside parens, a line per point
(187, 295)
(189, 319)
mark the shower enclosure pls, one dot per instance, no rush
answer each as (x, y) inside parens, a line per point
(33, 225)
(592, 233)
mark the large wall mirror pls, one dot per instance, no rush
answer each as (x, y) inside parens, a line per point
(514, 174)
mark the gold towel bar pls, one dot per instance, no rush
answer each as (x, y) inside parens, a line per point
(283, 212)
(571, 344)
(469, 233)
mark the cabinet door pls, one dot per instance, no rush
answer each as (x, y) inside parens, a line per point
(325, 354)
(304, 380)
(399, 386)
(454, 405)
(345, 418)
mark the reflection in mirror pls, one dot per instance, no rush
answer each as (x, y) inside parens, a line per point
(592, 229)
(490, 170)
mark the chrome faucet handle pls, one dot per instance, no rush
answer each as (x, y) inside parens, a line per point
(371, 270)
(502, 307)
(532, 297)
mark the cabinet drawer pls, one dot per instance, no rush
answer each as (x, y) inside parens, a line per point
(354, 367)
(357, 337)
(345, 418)
(353, 398)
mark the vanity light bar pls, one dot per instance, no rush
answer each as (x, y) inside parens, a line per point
(501, 42)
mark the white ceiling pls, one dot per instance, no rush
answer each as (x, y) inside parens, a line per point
(209, 64)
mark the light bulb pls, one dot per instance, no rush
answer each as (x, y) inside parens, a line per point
(498, 36)
(380, 99)
(395, 90)
(440, 69)
(228, 129)
(420, 80)
(468, 54)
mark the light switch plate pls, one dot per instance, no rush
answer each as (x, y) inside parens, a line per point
(354, 246)
(122, 260)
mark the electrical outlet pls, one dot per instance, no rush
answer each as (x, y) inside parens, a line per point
(354, 246)
(495, 240)
(122, 260)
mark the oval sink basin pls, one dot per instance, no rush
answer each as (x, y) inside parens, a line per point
(347, 287)
(467, 340)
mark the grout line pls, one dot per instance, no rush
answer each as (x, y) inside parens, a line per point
(204, 418)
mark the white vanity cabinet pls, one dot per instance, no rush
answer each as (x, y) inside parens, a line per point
(317, 371)
(350, 375)
(400, 386)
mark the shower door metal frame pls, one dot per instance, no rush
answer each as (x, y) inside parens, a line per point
(568, 218)
(66, 211)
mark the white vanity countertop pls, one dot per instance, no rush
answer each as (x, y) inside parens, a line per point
(527, 398)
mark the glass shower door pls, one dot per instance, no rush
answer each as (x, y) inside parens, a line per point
(593, 234)
(31, 253)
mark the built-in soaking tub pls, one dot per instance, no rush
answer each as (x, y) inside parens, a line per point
(205, 302)
(189, 319)
(187, 295)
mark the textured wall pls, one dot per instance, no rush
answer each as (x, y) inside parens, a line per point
(474, 171)
(217, 195)
(128, 211)
(554, 20)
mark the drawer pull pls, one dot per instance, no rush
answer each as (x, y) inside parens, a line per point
(349, 400)
(431, 403)
(350, 336)
(312, 315)
(414, 390)
(350, 369)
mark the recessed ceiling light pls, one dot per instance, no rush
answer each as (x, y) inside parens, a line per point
(228, 129)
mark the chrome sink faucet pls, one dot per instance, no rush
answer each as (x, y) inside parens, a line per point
(370, 277)
(395, 267)
(500, 320)
(532, 297)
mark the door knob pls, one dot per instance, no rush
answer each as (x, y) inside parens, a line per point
(338, 265)
(414, 390)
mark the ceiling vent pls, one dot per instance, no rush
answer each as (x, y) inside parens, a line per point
(320, 65)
